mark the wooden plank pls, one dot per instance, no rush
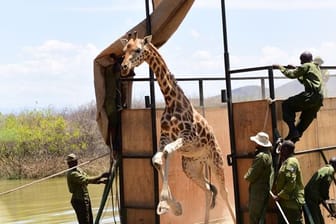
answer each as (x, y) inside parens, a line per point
(140, 216)
(249, 119)
(136, 132)
(326, 122)
(138, 183)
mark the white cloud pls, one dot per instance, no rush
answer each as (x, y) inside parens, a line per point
(52, 57)
(269, 4)
(112, 6)
(195, 34)
(327, 52)
(274, 55)
(53, 73)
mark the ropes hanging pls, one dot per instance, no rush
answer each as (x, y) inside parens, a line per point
(107, 188)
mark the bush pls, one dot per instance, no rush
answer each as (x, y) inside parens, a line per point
(34, 143)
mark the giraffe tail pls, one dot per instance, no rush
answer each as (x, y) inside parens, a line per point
(217, 167)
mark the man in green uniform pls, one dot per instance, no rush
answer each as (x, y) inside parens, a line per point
(308, 102)
(116, 94)
(77, 181)
(317, 190)
(260, 176)
(113, 102)
(289, 187)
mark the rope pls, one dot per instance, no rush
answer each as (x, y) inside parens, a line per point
(117, 197)
(51, 176)
(266, 118)
(106, 190)
(269, 102)
(114, 168)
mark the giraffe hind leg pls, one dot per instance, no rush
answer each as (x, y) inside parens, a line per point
(214, 195)
(195, 171)
(218, 169)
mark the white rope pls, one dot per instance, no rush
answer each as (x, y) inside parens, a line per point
(51, 176)
(266, 118)
(269, 102)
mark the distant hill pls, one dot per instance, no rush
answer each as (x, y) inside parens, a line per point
(253, 92)
(247, 93)
(294, 87)
(291, 88)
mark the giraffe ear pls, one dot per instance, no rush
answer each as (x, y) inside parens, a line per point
(148, 39)
(123, 41)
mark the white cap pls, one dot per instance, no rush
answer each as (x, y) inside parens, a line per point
(261, 139)
(318, 60)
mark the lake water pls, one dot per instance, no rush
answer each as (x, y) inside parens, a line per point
(46, 202)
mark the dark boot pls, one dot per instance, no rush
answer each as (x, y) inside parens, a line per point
(293, 135)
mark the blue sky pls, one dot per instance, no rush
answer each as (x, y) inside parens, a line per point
(48, 47)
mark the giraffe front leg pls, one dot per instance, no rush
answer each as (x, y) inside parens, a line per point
(173, 146)
(167, 200)
(157, 160)
(163, 206)
(169, 149)
(161, 158)
(161, 155)
(165, 195)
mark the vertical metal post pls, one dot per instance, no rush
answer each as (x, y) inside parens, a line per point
(230, 115)
(153, 115)
(263, 92)
(272, 96)
(201, 94)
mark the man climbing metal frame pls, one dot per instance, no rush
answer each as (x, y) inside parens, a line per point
(308, 102)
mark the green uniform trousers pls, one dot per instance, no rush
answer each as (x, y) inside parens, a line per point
(294, 216)
(83, 210)
(308, 103)
(315, 211)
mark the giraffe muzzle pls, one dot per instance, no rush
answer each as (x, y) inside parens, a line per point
(124, 70)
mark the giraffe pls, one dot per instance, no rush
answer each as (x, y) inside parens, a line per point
(183, 130)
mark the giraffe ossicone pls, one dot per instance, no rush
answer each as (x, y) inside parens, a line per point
(183, 130)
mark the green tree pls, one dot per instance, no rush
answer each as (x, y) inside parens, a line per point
(34, 140)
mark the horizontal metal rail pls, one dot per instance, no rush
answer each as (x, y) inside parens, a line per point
(328, 148)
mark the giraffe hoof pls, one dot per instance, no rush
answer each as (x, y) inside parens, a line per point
(162, 208)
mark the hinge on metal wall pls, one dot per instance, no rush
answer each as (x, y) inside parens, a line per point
(229, 159)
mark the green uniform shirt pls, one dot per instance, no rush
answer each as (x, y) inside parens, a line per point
(77, 183)
(309, 74)
(317, 189)
(112, 76)
(261, 172)
(289, 186)
(260, 175)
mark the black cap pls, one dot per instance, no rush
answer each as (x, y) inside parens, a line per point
(306, 57)
(288, 145)
(332, 161)
(71, 157)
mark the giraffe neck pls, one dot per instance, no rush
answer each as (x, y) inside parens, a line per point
(171, 91)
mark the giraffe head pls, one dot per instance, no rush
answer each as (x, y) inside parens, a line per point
(135, 52)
